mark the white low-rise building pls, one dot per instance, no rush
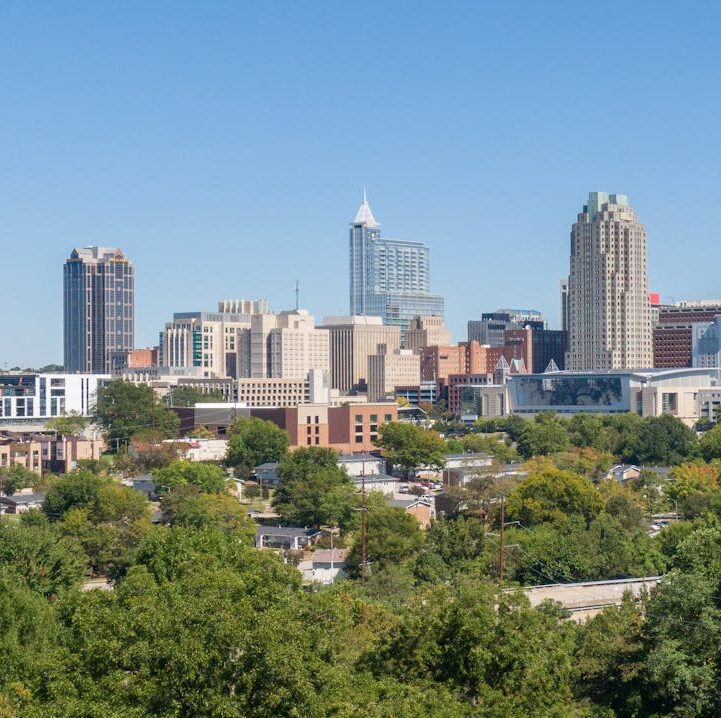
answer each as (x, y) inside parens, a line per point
(31, 398)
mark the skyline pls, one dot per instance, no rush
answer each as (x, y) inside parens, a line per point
(209, 145)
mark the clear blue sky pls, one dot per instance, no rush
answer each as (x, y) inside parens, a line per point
(224, 146)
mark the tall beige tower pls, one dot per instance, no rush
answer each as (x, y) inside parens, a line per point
(608, 305)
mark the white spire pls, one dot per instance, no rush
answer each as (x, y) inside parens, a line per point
(364, 214)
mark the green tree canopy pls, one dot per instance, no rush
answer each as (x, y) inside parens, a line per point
(187, 505)
(546, 434)
(710, 444)
(39, 555)
(71, 424)
(125, 410)
(315, 495)
(252, 442)
(663, 441)
(410, 446)
(392, 534)
(16, 477)
(185, 395)
(207, 477)
(79, 488)
(551, 495)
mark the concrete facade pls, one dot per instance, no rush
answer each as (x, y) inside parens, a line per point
(352, 340)
(609, 308)
(401, 367)
(426, 332)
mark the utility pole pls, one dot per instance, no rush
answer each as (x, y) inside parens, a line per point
(502, 547)
(363, 527)
(502, 541)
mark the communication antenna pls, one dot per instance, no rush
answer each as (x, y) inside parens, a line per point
(297, 295)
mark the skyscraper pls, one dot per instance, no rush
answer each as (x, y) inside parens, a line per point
(608, 306)
(564, 305)
(389, 278)
(99, 295)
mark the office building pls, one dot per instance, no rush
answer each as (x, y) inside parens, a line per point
(352, 341)
(491, 328)
(401, 367)
(347, 428)
(98, 301)
(31, 398)
(388, 278)
(296, 346)
(565, 320)
(549, 345)
(706, 343)
(209, 341)
(426, 332)
(673, 332)
(608, 297)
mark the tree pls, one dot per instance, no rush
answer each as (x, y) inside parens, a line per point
(79, 488)
(16, 477)
(544, 435)
(392, 534)
(316, 496)
(623, 503)
(704, 424)
(486, 646)
(207, 477)
(48, 562)
(410, 446)
(551, 495)
(691, 487)
(661, 440)
(185, 395)
(188, 506)
(710, 444)
(299, 463)
(587, 431)
(71, 424)
(125, 409)
(252, 442)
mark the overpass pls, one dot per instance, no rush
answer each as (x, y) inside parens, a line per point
(584, 600)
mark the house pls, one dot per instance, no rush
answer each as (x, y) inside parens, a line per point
(623, 472)
(423, 509)
(357, 464)
(20, 503)
(267, 474)
(285, 537)
(200, 449)
(324, 566)
(382, 483)
(145, 485)
(460, 476)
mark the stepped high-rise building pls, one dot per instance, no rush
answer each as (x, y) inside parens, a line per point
(99, 296)
(609, 313)
(389, 278)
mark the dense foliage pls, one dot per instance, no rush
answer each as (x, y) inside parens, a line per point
(201, 624)
(126, 410)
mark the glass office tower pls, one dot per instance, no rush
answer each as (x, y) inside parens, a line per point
(389, 278)
(99, 298)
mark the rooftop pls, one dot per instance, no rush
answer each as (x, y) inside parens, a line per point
(364, 214)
